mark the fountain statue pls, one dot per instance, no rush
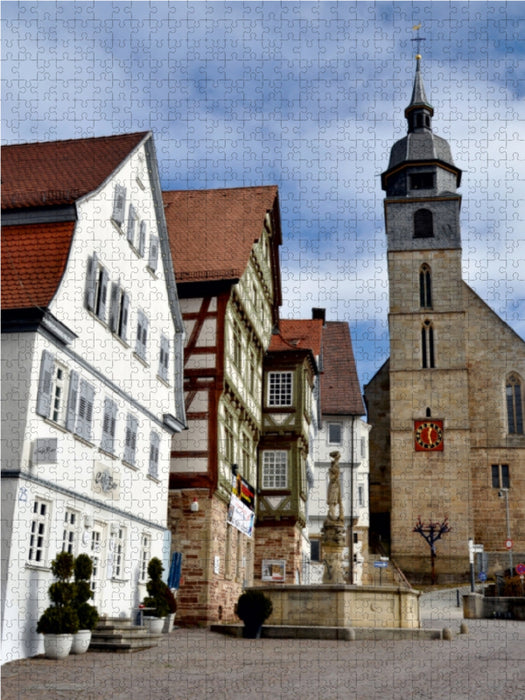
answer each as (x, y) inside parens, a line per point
(333, 532)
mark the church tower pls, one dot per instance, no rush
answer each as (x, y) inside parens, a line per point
(428, 376)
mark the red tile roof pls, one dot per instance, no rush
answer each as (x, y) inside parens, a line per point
(298, 335)
(212, 232)
(59, 172)
(340, 390)
(33, 261)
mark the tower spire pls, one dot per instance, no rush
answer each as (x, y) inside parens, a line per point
(419, 112)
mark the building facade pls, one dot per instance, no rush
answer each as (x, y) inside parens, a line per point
(225, 246)
(446, 409)
(92, 342)
(289, 409)
(343, 430)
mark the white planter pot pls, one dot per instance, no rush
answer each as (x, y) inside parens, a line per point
(168, 623)
(81, 642)
(154, 625)
(57, 646)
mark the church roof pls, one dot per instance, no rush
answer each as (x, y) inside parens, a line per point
(55, 173)
(340, 390)
(212, 232)
(419, 98)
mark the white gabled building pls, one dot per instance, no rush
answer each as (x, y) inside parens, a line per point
(344, 430)
(92, 341)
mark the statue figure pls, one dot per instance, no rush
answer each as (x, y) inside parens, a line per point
(333, 498)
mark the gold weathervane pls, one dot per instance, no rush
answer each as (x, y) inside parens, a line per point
(418, 39)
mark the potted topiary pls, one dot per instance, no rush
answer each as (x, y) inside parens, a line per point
(253, 608)
(156, 600)
(172, 603)
(59, 621)
(87, 614)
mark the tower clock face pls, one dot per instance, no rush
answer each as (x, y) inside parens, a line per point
(428, 435)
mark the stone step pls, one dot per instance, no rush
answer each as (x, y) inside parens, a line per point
(121, 635)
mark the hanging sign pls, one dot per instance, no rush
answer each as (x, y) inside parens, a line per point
(240, 516)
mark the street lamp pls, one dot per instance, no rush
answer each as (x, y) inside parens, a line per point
(504, 493)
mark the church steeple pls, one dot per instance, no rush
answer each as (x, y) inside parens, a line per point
(419, 112)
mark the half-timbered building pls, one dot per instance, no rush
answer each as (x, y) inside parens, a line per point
(291, 368)
(225, 247)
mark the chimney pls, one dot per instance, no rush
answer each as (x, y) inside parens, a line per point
(319, 314)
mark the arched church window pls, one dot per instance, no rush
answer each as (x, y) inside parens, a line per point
(423, 226)
(514, 392)
(425, 287)
(427, 345)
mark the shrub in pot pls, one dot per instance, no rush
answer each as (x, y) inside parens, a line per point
(253, 608)
(59, 621)
(87, 614)
(156, 598)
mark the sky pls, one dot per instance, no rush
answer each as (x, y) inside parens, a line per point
(306, 95)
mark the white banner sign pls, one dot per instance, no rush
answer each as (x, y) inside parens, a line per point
(240, 516)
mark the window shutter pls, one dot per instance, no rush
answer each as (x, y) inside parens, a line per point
(164, 357)
(103, 294)
(45, 383)
(72, 401)
(153, 252)
(91, 283)
(119, 204)
(85, 410)
(131, 439)
(108, 425)
(132, 220)
(142, 335)
(114, 307)
(154, 454)
(124, 316)
(142, 239)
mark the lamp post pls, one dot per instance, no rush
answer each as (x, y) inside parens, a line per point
(504, 493)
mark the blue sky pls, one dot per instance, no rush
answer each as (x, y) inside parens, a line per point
(309, 96)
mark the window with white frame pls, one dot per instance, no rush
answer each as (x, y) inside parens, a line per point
(130, 442)
(280, 388)
(119, 205)
(153, 253)
(97, 287)
(360, 496)
(118, 552)
(39, 532)
(69, 532)
(144, 556)
(275, 469)
(95, 554)
(142, 334)
(335, 433)
(363, 447)
(153, 469)
(108, 426)
(52, 391)
(229, 447)
(164, 358)
(237, 344)
(119, 311)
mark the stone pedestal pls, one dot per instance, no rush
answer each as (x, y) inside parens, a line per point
(333, 543)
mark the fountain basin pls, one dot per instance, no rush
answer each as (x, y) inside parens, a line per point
(343, 605)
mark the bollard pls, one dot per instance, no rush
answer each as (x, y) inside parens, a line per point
(457, 598)
(463, 628)
(447, 633)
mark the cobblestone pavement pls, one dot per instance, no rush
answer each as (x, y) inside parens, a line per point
(486, 663)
